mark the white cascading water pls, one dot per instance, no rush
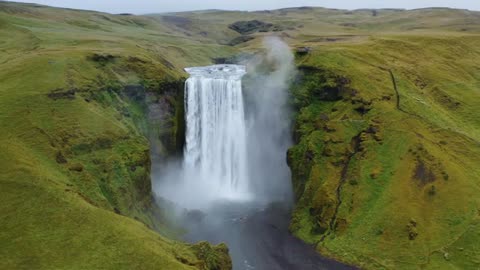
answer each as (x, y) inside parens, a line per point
(215, 156)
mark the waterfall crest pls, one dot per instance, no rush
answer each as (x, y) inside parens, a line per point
(215, 154)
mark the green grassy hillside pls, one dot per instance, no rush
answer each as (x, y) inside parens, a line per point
(387, 133)
(385, 170)
(78, 94)
(319, 25)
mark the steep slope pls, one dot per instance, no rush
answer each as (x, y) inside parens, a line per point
(82, 94)
(385, 169)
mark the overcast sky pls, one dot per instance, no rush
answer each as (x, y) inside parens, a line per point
(154, 6)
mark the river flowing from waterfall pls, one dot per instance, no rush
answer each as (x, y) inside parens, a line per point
(233, 184)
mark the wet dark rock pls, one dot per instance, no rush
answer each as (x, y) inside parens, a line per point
(221, 60)
(329, 94)
(62, 94)
(101, 58)
(226, 60)
(134, 59)
(171, 87)
(303, 51)
(309, 155)
(240, 40)
(372, 129)
(235, 59)
(135, 92)
(160, 110)
(386, 98)
(60, 158)
(162, 103)
(318, 229)
(363, 108)
(324, 85)
(103, 143)
(249, 27)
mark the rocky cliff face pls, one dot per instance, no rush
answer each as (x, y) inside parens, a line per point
(119, 161)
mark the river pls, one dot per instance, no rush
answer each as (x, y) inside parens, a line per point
(257, 237)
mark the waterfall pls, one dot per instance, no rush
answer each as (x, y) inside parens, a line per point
(215, 154)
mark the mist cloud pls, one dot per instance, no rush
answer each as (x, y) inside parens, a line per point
(269, 119)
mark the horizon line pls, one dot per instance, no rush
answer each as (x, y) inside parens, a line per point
(236, 10)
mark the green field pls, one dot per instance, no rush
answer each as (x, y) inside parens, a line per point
(387, 134)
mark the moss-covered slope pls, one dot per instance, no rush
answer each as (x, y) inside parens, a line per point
(83, 98)
(386, 166)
